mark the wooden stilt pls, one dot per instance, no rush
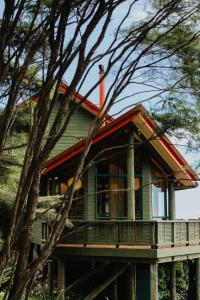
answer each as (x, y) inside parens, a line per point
(61, 279)
(115, 288)
(132, 282)
(173, 280)
(50, 277)
(154, 282)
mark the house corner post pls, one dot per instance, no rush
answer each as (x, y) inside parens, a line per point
(61, 279)
(132, 282)
(197, 266)
(130, 177)
(154, 281)
(50, 278)
(171, 200)
(146, 187)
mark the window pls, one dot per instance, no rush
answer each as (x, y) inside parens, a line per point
(111, 188)
(60, 185)
(159, 194)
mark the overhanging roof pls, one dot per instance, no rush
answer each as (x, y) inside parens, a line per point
(78, 98)
(146, 125)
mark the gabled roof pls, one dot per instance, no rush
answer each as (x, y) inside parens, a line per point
(147, 126)
(86, 104)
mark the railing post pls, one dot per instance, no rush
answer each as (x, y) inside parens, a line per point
(199, 233)
(188, 233)
(85, 235)
(118, 234)
(155, 240)
(173, 233)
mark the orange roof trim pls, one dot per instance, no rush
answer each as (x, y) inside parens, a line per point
(162, 144)
(86, 104)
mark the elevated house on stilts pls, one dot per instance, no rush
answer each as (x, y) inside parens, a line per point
(123, 210)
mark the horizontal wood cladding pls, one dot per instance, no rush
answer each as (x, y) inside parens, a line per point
(36, 236)
(76, 130)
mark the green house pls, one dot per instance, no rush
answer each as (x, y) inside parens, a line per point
(123, 210)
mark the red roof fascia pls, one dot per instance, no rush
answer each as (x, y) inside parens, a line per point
(86, 103)
(91, 107)
(101, 134)
(112, 127)
(170, 147)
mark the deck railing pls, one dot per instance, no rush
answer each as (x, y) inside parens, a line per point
(152, 233)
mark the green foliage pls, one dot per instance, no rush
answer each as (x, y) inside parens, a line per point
(182, 280)
(175, 69)
(179, 118)
(164, 281)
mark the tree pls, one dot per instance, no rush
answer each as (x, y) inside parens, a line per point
(178, 109)
(60, 37)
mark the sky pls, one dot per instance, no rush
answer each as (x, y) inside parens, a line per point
(188, 201)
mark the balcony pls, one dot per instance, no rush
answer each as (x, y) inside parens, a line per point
(154, 234)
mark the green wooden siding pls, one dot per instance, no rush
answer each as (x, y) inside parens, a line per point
(146, 190)
(76, 130)
(90, 198)
(36, 235)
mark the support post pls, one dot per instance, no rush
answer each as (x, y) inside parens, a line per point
(132, 282)
(50, 277)
(130, 178)
(154, 281)
(61, 279)
(197, 265)
(173, 280)
(171, 200)
(147, 188)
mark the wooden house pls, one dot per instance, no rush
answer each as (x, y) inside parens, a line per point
(123, 209)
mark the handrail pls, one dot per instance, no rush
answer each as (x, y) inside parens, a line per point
(140, 232)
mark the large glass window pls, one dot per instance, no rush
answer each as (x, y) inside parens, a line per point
(111, 188)
(159, 195)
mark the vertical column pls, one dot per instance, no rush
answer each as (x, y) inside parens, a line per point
(197, 265)
(154, 281)
(147, 188)
(132, 282)
(115, 285)
(130, 178)
(50, 277)
(90, 197)
(173, 280)
(147, 281)
(171, 200)
(61, 279)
